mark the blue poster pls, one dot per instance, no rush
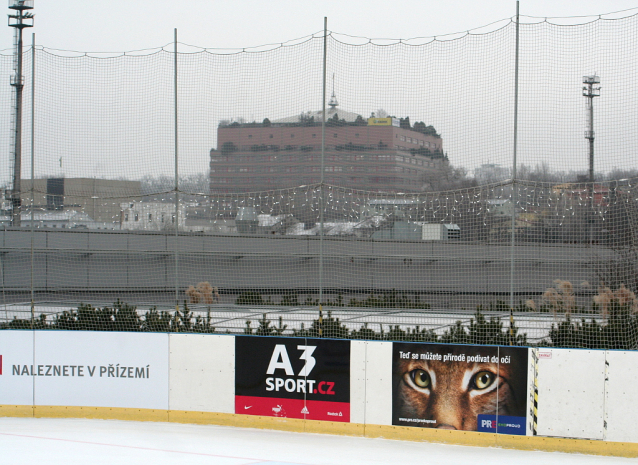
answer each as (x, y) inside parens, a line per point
(504, 424)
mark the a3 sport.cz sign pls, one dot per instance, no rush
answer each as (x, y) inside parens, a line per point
(292, 378)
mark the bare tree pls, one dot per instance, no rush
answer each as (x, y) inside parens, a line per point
(447, 177)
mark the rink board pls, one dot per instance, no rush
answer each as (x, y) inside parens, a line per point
(585, 398)
(84, 369)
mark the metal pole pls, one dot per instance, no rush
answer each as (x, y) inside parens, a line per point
(176, 179)
(590, 92)
(514, 180)
(516, 62)
(591, 172)
(32, 172)
(16, 200)
(19, 20)
(323, 156)
(591, 137)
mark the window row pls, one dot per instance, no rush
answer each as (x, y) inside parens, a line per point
(415, 141)
(414, 160)
(314, 135)
(314, 169)
(149, 217)
(297, 180)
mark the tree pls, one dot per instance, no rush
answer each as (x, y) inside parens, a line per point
(335, 121)
(324, 327)
(618, 331)
(446, 177)
(540, 173)
(305, 119)
(249, 298)
(482, 331)
(194, 183)
(618, 173)
(264, 328)
(150, 185)
(360, 121)
(426, 130)
(266, 123)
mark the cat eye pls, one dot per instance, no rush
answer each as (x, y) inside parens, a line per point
(483, 379)
(421, 378)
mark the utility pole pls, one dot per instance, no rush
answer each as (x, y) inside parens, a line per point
(589, 91)
(18, 20)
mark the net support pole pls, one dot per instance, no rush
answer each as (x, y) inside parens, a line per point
(592, 186)
(32, 175)
(176, 156)
(514, 181)
(323, 157)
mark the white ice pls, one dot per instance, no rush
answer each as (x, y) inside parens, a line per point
(74, 441)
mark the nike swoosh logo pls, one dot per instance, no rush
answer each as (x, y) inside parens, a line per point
(246, 408)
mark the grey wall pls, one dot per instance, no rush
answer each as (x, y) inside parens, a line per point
(112, 260)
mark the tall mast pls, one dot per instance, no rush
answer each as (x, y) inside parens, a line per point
(18, 20)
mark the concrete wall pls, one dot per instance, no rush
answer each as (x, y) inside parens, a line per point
(80, 260)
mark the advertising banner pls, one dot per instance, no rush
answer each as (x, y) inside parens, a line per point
(292, 378)
(15, 347)
(86, 369)
(463, 387)
(384, 122)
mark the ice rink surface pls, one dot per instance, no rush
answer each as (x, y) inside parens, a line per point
(74, 441)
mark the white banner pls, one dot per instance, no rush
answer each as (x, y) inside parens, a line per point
(16, 347)
(96, 369)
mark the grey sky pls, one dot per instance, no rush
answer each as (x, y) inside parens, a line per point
(114, 118)
(118, 25)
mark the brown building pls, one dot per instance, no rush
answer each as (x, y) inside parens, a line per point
(374, 154)
(99, 198)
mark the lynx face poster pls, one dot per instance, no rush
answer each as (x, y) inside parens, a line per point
(463, 387)
(292, 377)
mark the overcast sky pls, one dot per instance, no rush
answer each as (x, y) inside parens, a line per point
(94, 112)
(117, 25)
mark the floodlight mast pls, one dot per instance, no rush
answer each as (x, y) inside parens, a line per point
(590, 92)
(19, 20)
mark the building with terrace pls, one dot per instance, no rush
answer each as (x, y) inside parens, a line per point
(376, 154)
